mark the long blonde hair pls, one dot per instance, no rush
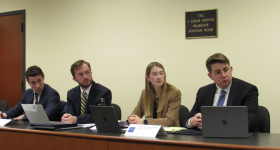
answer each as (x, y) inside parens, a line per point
(150, 92)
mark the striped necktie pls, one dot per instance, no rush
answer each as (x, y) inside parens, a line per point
(83, 103)
(36, 98)
(222, 98)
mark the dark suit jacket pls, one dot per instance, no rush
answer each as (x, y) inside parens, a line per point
(241, 94)
(74, 101)
(49, 99)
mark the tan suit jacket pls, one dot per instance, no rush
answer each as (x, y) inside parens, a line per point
(170, 114)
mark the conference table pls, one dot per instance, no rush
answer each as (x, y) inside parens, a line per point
(23, 136)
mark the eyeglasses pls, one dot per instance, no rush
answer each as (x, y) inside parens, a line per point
(219, 72)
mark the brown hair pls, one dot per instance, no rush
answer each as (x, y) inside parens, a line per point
(150, 93)
(216, 58)
(33, 71)
(77, 65)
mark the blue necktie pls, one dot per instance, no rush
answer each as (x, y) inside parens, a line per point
(222, 98)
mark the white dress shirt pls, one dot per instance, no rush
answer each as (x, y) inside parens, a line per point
(87, 91)
(218, 93)
(34, 97)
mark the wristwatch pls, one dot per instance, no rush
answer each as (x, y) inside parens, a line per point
(145, 121)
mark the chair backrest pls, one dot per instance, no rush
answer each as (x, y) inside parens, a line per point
(117, 110)
(183, 114)
(4, 105)
(263, 123)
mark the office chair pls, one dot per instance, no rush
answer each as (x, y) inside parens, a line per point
(263, 122)
(4, 105)
(183, 114)
(117, 110)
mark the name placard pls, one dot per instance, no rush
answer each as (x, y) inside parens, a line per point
(201, 24)
(145, 130)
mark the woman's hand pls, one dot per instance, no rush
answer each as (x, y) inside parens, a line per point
(134, 119)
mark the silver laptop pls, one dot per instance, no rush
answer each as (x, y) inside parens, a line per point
(105, 118)
(36, 113)
(39, 119)
(227, 121)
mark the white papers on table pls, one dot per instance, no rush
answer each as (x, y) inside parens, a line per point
(87, 125)
(4, 122)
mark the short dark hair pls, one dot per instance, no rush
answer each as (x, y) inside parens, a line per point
(33, 71)
(78, 64)
(216, 58)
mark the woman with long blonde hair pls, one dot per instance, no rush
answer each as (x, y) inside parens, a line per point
(159, 102)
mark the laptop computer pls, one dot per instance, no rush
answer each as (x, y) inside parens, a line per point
(229, 121)
(105, 118)
(39, 119)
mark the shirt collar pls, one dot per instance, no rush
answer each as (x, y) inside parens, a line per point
(87, 90)
(39, 94)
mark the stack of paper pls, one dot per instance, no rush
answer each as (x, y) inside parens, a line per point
(173, 129)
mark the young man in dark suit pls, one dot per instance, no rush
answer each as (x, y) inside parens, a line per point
(40, 93)
(233, 92)
(87, 93)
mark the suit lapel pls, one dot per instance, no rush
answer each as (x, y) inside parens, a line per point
(232, 93)
(210, 95)
(42, 97)
(30, 98)
(78, 98)
(92, 95)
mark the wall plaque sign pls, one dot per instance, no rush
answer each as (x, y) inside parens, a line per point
(201, 24)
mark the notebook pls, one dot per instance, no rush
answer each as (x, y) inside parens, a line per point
(229, 121)
(105, 118)
(39, 119)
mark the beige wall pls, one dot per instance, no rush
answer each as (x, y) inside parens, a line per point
(120, 38)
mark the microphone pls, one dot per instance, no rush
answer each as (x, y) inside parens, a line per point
(101, 102)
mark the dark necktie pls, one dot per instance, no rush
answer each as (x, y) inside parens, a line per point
(36, 98)
(222, 98)
(83, 103)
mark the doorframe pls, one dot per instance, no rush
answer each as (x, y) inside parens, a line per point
(23, 84)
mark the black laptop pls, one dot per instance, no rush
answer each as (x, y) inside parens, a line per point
(227, 121)
(105, 118)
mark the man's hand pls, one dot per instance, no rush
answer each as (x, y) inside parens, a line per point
(68, 118)
(2, 115)
(19, 117)
(197, 120)
(134, 119)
